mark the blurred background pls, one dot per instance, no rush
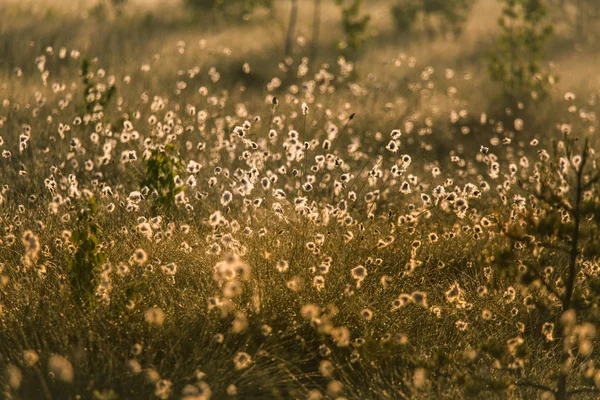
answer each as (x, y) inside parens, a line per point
(515, 49)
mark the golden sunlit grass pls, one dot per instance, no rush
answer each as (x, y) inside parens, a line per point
(185, 213)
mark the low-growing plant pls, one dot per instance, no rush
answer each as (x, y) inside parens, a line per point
(162, 168)
(97, 96)
(85, 265)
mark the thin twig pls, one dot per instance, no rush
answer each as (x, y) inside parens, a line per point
(584, 390)
(534, 385)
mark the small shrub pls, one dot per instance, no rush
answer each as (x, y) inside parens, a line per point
(353, 23)
(438, 16)
(552, 254)
(516, 62)
(85, 264)
(97, 96)
(405, 14)
(162, 168)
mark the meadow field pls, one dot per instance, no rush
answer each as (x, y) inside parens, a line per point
(299, 199)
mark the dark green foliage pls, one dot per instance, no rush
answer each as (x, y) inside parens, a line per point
(353, 23)
(405, 14)
(84, 266)
(516, 62)
(135, 289)
(161, 170)
(437, 16)
(95, 99)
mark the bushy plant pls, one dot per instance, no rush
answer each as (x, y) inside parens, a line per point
(452, 14)
(437, 16)
(550, 254)
(97, 96)
(85, 265)
(517, 60)
(162, 169)
(354, 23)
(405, 14)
